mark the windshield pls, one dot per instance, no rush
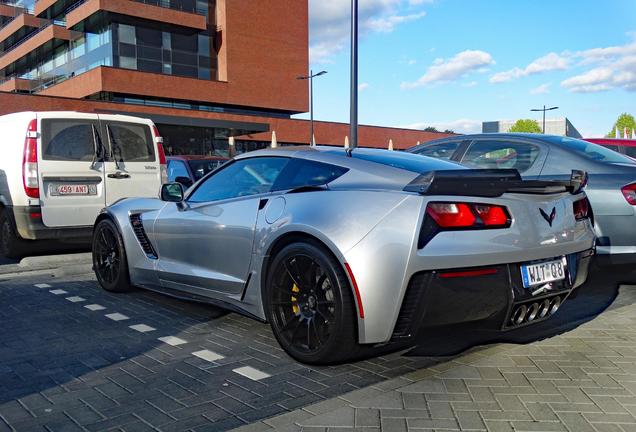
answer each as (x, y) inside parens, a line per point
(406, 161)
(594, 152)
(201, 167)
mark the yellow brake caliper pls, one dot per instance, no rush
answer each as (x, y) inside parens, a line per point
(295, 307)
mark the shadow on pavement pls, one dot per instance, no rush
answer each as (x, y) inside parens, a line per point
(592, 299)
(49, 248)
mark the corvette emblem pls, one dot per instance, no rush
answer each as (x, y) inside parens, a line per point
(549, 218)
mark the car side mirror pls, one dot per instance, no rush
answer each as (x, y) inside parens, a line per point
(172, 192)
(186, 181)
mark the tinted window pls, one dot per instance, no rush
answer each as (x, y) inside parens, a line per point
(242, 178)
(302, 172)
(630, 151)
(501, 154)
(406, 161)
(593, 151)
(131, 142)
(177, 169)
(440, 151)
(201, 167)
(68, 140)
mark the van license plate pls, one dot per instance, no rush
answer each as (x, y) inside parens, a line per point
(549, 271)
(74, 189)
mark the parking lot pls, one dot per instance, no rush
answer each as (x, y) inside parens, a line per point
(75, 357)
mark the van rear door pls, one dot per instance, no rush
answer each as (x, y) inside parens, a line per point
(133, 168)
(71, 169)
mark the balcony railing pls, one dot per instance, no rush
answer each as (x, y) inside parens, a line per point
(46, 25)
(170, 5)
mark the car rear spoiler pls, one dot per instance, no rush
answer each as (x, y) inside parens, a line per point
(491, 183)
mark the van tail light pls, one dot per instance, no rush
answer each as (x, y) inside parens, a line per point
(581, 209)
(161, 153)
(449, 215)
(629, 192)
(30, 161)
(454, 216)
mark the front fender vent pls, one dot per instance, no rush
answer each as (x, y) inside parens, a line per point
(140, 233)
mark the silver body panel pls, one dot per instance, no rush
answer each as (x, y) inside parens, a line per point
(218, 250)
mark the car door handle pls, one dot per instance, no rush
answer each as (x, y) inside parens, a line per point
(119, 175)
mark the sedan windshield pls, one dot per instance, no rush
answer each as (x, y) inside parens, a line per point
(594, 152)
(201, 167)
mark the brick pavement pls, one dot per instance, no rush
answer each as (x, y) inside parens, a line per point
(74, 357)
(581, 380)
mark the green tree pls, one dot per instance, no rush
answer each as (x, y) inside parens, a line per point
(624, 121)
(526, 126)
(430, 129)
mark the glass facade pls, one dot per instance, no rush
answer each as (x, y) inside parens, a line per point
(153, 50)
(123, 43)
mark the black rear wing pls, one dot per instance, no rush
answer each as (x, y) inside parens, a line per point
(491, 183)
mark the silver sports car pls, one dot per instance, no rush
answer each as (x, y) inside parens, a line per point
(341, 250)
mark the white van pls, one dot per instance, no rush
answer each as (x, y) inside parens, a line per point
(59, 169)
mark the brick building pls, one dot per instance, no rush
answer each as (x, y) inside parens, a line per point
(203, 70)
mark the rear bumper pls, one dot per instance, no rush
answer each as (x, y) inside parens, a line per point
(494, 297)
(28, 223)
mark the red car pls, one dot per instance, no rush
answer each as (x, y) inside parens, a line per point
(624, 146)
(188, 169)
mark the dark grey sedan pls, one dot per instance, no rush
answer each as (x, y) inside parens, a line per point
(612, 177)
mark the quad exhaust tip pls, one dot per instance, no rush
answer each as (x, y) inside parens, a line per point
(528, 313)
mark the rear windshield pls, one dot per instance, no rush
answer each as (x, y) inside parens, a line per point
(201, 167)
(406, 161)
(68, 140)
(593, 152)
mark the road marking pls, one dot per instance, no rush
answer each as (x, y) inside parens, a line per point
(116, 316)
(172, 340)
(208, 355)
(251, 373)
(94, 307)
(142, 328)
(58, 292)
(42, 286)
(75, 299)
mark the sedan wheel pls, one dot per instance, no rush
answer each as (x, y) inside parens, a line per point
(109, 258)
(310, 305)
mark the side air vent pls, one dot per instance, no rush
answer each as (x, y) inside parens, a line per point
(140, 233)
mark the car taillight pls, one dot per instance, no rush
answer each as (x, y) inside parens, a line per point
(162, 155)
(30, 161)
(449, 215)
(629, 192)
(581, 209)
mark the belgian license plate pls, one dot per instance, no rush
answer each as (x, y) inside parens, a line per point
(73, 189)
(540, 273)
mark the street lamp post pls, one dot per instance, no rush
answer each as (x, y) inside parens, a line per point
(353, 126)
(311, 77)
(544, 109)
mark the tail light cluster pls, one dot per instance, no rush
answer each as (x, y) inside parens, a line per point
(449, 216)
(162, 154)
(582, 209)
(30, 161)
(629, 192)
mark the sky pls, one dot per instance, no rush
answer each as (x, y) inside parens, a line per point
(455, 63)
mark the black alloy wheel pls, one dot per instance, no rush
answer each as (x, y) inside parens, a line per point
(310, 305)
(109, 257)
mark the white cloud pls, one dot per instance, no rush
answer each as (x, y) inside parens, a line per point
(362, 87)
(330, 23)
(465, 126)
(419, 2)
(470, 84)
(542, 89)
(548, 62)
(614, 69)
(445, 70)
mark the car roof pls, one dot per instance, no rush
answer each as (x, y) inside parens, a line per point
(360, 158)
